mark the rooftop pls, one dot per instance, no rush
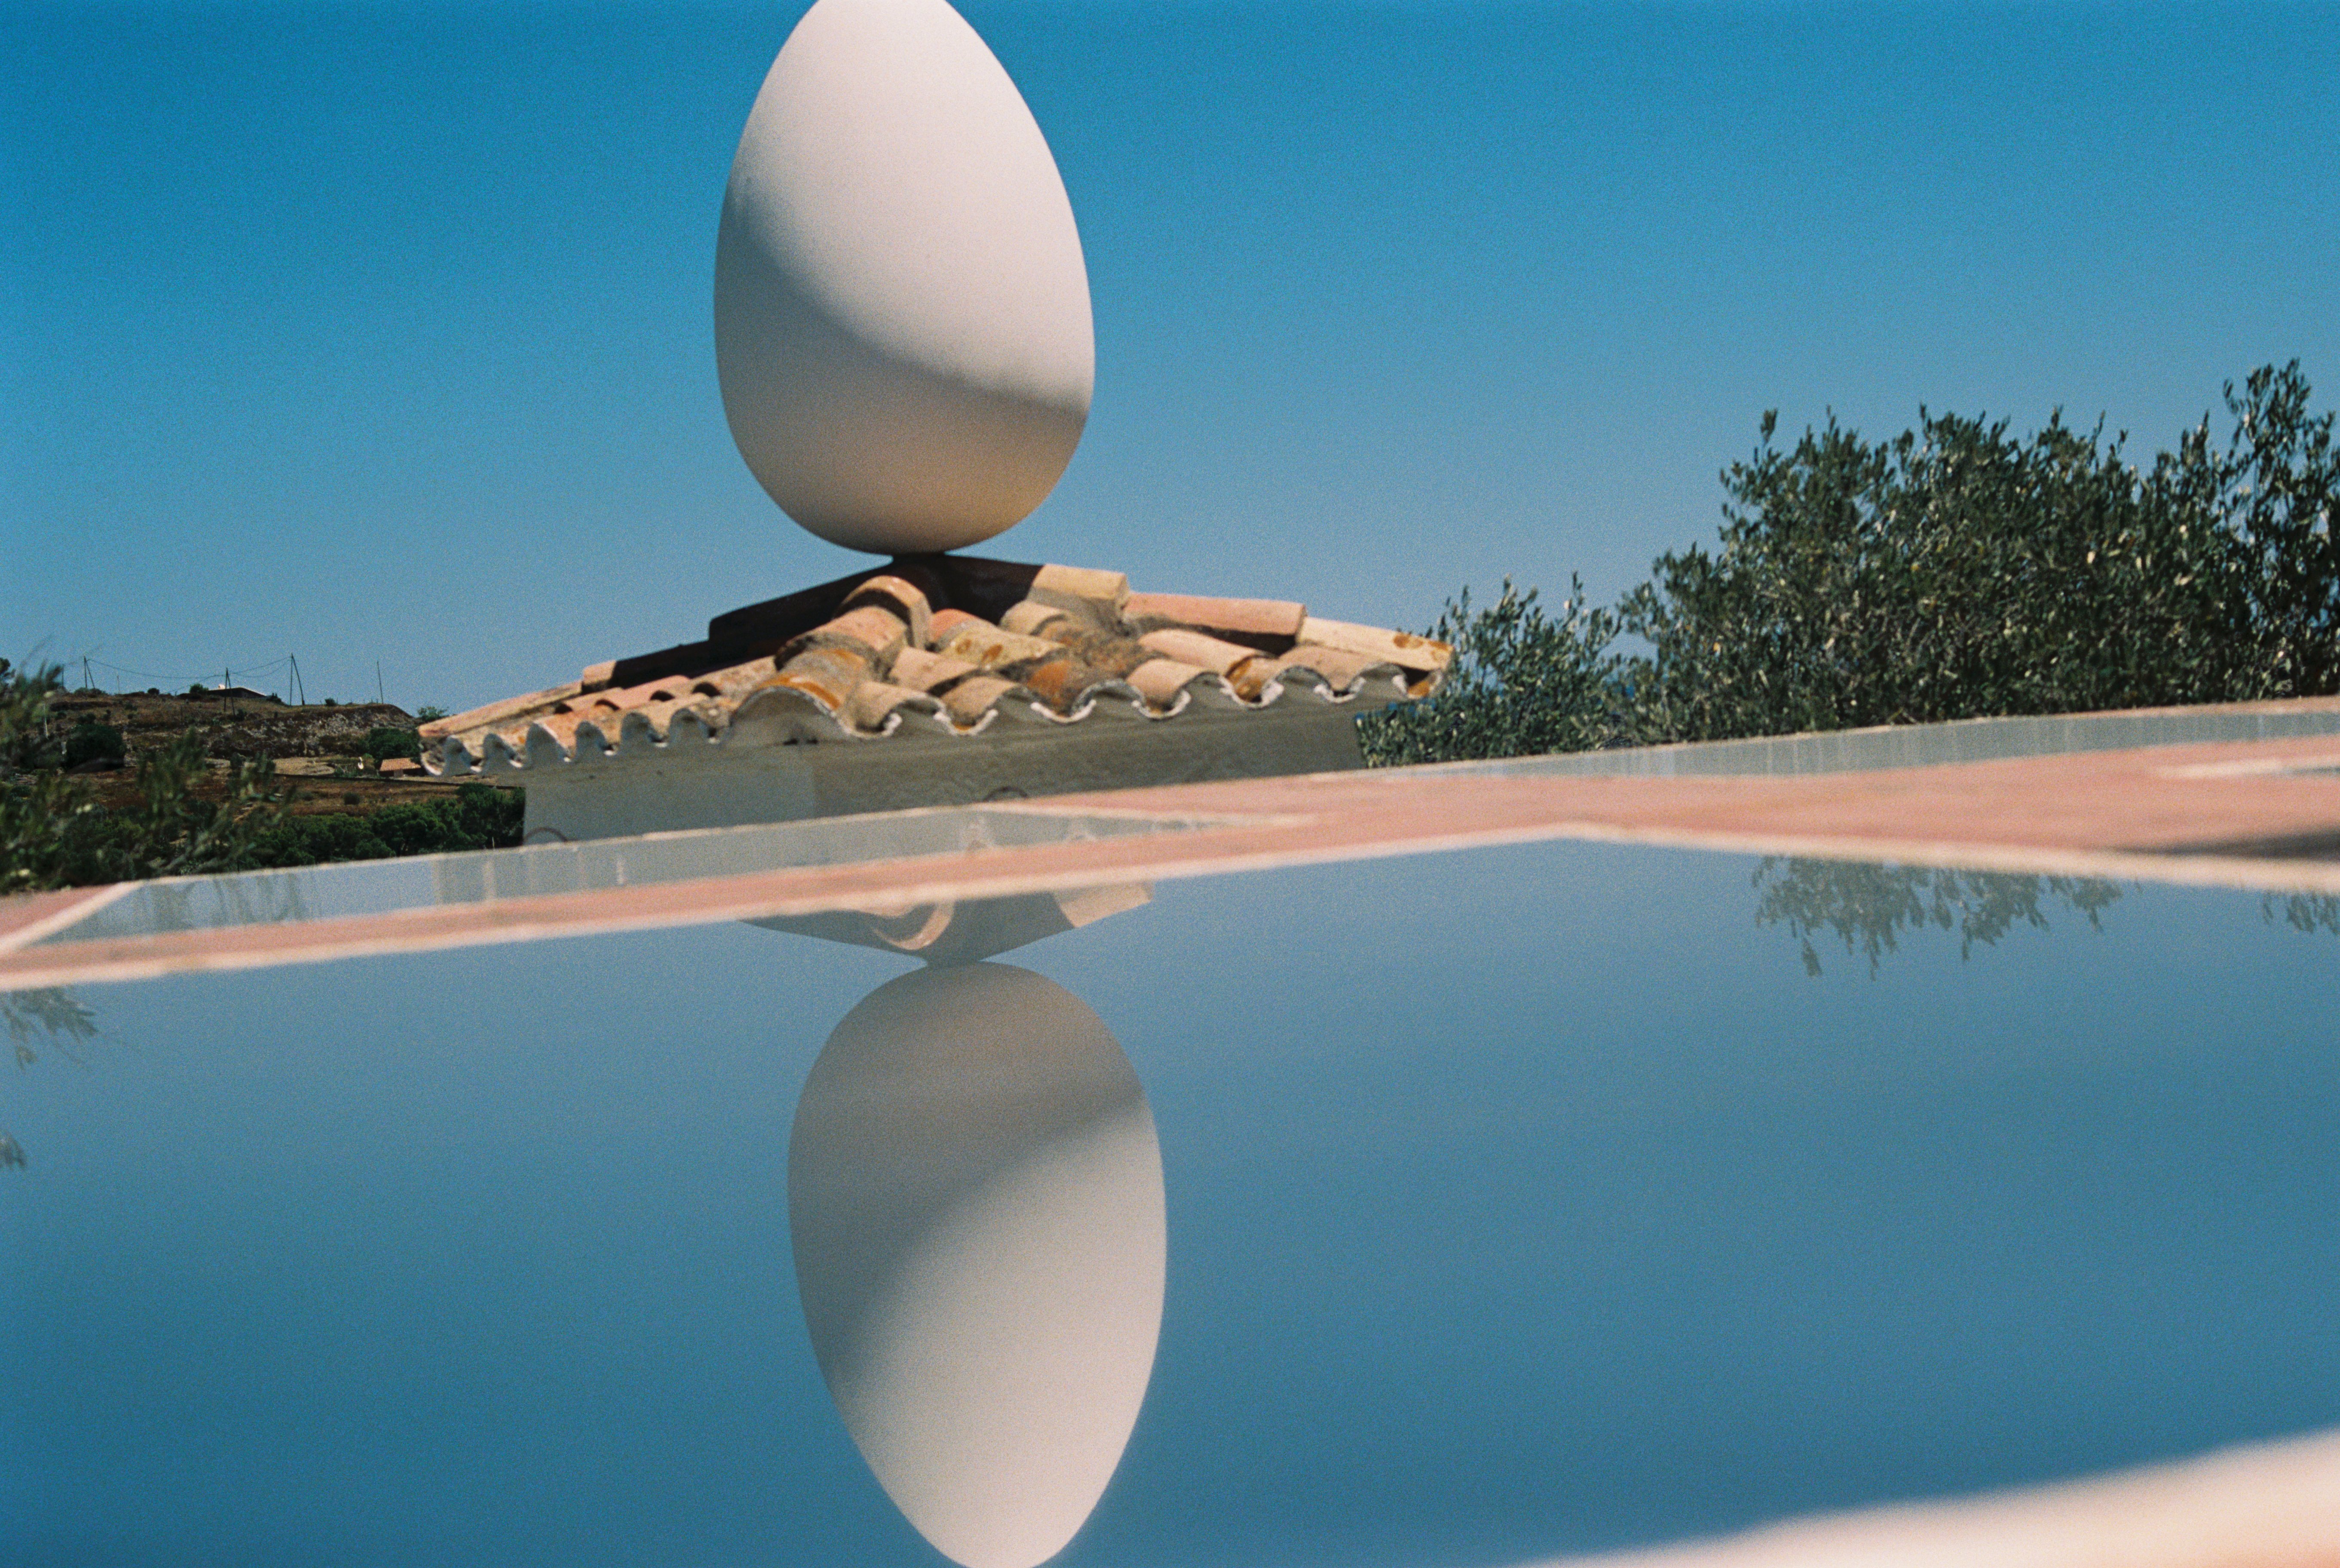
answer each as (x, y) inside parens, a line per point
(947, 647)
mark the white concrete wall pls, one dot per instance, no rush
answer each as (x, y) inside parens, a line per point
(696, 784)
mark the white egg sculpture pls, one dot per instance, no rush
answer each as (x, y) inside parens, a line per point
(974, 1202)
(901, 309)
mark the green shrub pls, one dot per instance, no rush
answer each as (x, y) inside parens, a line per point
(93, 742)
(40, 809)
(493, 816)
(26, 745)
(1954, 571)
(1522, 683)
(168, 830)
(477, 816)
(53, 832)
(312, 840)
(386, 741)
(417, 829)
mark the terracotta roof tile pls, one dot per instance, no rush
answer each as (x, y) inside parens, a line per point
(981, 643)
(945, 625)
(973, 702)
(733, 683)
(1402, 649)
(1164, 683)
(1097, 597)
(620, 700)
(511, 708)
(1114, 654)
(943, 646)
(924, 672)
(1063, 681)
(1341, 669)
(1270, 625)
(1211, 653)
(826, 674)
(1031, 619)
(902, 598)
(876, 706)
(869, 628)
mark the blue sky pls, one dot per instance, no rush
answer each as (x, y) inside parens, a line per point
(383, 331)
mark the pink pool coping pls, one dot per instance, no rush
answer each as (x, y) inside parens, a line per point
(2178, 814)
(2260, 1506)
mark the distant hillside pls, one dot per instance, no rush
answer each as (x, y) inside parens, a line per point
(98, 787)
(233, 727)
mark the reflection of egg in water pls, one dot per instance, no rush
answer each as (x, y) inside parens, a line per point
(974, 1198)
(901, 311)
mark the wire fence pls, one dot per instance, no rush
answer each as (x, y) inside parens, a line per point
(217, 674)
(280, 676)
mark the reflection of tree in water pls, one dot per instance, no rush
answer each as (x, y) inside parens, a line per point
(1867, 907)
(2308, 911)
(56, 1017)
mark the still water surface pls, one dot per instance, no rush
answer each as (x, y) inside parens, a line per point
(1450, 1210)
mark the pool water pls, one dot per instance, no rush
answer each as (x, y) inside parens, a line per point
(1458, 1209)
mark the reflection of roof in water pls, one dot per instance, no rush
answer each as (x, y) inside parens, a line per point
(2257, 814)
(966, 930)
(948, 647)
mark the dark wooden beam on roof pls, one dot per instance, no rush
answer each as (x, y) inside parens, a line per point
(970, 583)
